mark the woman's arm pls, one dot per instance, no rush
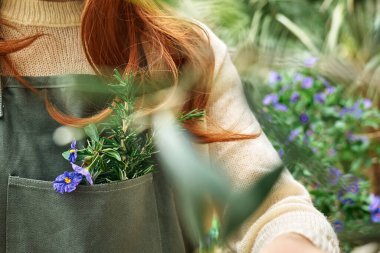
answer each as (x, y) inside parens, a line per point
(291, 243)
(288, 210)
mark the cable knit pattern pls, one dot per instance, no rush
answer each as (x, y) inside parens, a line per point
(288, 209)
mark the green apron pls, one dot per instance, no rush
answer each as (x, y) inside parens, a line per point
(132, 216)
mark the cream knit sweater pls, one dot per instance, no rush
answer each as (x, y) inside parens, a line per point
(288, 209)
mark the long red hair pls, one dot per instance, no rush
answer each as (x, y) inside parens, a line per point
(125, 35)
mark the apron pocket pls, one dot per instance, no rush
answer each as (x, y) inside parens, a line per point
(114, 217)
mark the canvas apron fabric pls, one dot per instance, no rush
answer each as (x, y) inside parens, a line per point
(132, 216)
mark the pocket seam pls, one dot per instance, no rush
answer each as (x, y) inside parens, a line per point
(81, 188)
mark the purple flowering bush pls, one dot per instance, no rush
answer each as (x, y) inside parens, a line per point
(321, 135)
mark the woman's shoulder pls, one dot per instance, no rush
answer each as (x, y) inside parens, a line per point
(219, 48)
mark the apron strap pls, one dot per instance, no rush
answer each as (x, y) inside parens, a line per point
(1, 98)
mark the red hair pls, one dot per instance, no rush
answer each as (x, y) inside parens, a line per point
(125, 35)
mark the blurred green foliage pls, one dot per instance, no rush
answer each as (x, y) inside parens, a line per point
(344, 34)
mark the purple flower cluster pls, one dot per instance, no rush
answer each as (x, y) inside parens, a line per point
(274, 77)
(335, 175)
(294, 134)
(307, 83)
(68, 181)
(295, 97)
(367, 103)
(330, 90)
(273, 99)
(354, 138)
(338, 226)
(304, 118)
(352, 188)
(310, 62)
(320, 98)
(374, 208)
(281, 152)
(280, 107)
(298, 77)
(357, 109)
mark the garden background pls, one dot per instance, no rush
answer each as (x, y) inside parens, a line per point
(311, 71)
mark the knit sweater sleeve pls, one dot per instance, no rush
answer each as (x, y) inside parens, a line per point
(288, 208)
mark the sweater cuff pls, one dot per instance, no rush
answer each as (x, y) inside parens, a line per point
(313, 227)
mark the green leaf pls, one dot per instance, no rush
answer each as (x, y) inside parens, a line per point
(92, 132)
(195, 181)
(198, 183)
(113, 154)
(66, 155)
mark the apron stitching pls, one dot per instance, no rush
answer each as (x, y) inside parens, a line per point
(157, 218)
(82, 191)
(1, 98)
(6, 222)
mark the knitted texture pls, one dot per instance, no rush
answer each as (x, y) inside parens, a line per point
(288, 208)
(59, 51)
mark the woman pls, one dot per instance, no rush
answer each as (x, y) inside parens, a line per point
(46, 46)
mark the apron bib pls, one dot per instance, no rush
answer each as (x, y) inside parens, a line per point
(133, 216)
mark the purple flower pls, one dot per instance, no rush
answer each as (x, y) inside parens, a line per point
(310, 62)
(374, 208)
(270, 99)
(367, 103)
(338, 226)
(324, 81)
(73, 152)
(280, 107)
(354, 111)
(320, 98)
(307, 83)
(281, 152)
(274, 77)
(295, 97)
(335, 175)
(293, 134)
(374, 202)
(298, 77)
(352, 188)
(84, 172)
(330, 90)
(309, 132)
(304, 118)
(354, 138)
(357, 111)
(67, 182)
(344, 111)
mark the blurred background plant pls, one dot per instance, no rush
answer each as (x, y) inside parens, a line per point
(344, 34)
(326, 131)
(320, 113)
